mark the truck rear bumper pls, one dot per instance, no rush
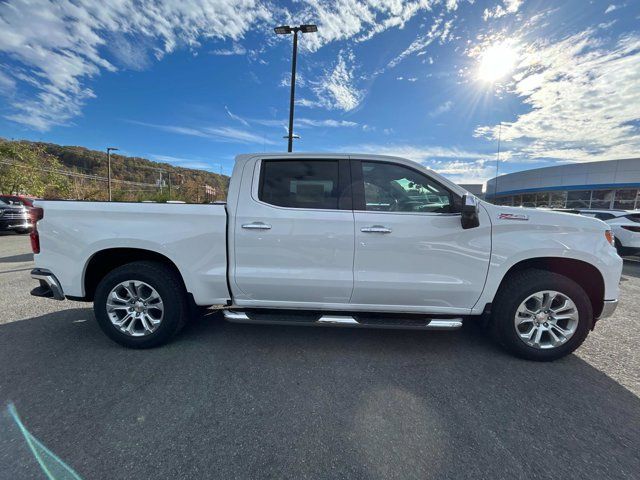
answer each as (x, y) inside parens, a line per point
(49, 285)
(608, 308)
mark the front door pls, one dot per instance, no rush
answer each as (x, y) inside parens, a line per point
(411, 250)
(294, 237)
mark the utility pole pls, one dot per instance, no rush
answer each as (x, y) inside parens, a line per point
(286, 30)
(495, 189)
(293, 89)
(109, 150)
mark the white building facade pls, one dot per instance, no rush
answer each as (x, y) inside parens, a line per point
(611, 184)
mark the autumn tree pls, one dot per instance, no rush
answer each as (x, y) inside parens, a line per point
(25, 168)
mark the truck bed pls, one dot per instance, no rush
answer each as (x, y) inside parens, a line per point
(192, 237)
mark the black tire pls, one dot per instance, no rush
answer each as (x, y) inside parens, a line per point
(168, 285)
(514, 290)
(22, 231)
(621, 250)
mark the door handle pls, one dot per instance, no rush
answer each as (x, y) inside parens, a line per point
(375, 229)
(257, 226)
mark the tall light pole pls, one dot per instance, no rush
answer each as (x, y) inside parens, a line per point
(109, 150)
(286, 30)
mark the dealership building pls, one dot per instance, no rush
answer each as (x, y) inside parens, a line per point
(605, 185)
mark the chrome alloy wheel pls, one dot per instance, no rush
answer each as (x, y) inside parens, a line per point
(546, 319)
(135, 308)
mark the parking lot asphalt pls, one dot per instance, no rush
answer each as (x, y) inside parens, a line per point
(241, 401)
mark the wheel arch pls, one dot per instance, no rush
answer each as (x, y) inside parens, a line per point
(104, 261)
(581, 272)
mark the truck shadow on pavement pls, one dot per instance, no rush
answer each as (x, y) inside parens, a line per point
(24, 257)
(244, 401)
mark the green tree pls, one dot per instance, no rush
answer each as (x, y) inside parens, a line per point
(26, 168)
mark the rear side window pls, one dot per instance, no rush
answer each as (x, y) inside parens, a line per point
(635, 217)
(300, 183)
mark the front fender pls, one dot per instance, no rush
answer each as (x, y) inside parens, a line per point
(549, 236)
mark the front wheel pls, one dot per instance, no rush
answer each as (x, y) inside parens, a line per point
(541, 315)
(141, 304)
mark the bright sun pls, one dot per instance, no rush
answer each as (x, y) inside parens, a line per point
(497, 61)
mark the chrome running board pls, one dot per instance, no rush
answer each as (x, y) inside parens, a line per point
(337, 320)
(288, 317)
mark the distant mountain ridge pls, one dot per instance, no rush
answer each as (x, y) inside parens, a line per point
(132, 177)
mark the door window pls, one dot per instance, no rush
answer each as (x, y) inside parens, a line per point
(390, 187)
(300, 183)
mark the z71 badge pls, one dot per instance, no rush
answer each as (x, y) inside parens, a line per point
(513, 216)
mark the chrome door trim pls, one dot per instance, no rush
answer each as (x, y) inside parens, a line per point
(256, 226)
(376, 229)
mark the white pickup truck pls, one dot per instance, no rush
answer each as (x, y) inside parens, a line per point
(345, 240)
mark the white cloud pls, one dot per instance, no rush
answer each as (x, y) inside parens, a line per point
(611, 8)
(7, 83)
(235, 117)
(128, 53)
(507, 7)
(583, 96)
(63, 44)
(335, 90)
(221, 134)
(345, 19)
(307, 102)
(236, 49)
(183, 162)
(307, 122)
(301, 122)
(440, 109)
(422, 42)
(285, 81)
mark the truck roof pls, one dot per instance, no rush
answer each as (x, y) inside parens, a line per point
(245, 157)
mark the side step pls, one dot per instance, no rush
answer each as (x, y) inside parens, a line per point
(389, 321)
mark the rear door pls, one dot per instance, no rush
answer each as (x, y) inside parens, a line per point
(412, 253)
(294, 234)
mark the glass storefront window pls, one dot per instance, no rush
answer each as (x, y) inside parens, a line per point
(578, 198)
(542, 199)
(528, 199)
(625, 199)
(558, 199)
(601, 198)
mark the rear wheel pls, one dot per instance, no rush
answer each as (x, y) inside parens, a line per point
(541, 315)
(141, 304)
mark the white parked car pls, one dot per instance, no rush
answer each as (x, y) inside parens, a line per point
(345, 240)
(625, 225)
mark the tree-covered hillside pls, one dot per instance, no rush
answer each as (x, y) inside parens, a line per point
(54, 171)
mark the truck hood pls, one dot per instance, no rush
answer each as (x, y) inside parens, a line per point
(535, 216)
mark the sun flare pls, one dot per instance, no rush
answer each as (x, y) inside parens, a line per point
(497, 61)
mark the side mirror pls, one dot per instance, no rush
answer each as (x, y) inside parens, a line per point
(470, 212)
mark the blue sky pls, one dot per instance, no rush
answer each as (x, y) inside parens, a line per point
(195, 82)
